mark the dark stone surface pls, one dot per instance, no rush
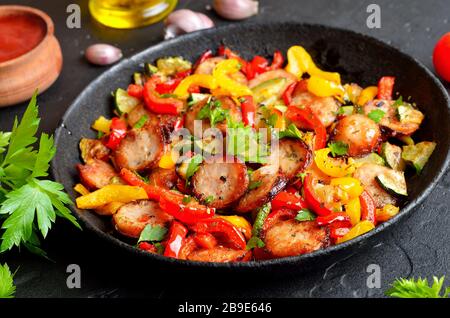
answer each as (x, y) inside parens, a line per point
(418, 246)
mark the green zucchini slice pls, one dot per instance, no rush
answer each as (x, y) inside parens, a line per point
(393, 181)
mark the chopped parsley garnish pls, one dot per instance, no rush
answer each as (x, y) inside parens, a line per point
(376, 115)
(338, 148)
(254, 184)
(291, 132)
(208, 199)
(152, 233)
(141, 122)
(305, 215)
(194, 164)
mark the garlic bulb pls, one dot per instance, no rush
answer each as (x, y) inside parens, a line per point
(235, 9)
(185, 21)
(103, 54)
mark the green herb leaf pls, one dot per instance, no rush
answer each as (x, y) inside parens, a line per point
(254, 184)
(7, 288)
(246, 143)
(261, 216)
(141, 122)
(272, 120)
(338, 148)
(186, 199)
(193, 166)
(398, 102)
(214, 112)
(254, 242)
(152, 233)
(208, 199)
(4, 140)
(376, 115)
(305, 215)
(291, 132)
(410, 288)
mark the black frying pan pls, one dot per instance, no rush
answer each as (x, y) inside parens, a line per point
(356, 57)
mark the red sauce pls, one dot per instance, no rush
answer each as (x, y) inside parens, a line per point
(19, 34)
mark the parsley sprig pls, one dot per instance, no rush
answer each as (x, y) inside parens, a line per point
(29, 204)
(7, 288)
(410, 288)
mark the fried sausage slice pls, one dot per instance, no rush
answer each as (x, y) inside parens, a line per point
(220, 181)
(294, 157)
(93, 149)
(141, 149)
(219, 254)
(269, 182)
(132, 217)
(390, 119)
(359, 132)
(291, 237)
(325, 108)
(96, 174)
(367, 174)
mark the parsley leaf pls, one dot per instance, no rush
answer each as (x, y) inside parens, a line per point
(376, 115)
(254, 184)
(338, 148)
(254, 242)
(398, 102)
(194, 164)
(141, 122)
(152, 233)
(208, 199)
(291, 132)
(7, 288)
(246, 143)
(410, 288)
(186, 199)
(28, 205)
(305, 215)
(214, 112)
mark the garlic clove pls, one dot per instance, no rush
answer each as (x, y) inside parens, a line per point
(103, 54)
(235, 9)
(185, 21)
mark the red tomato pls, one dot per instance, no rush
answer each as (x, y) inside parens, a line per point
(441, 57)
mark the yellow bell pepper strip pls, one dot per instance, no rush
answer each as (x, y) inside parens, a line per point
(359, 229)
(240, 222)
(221, 72)
(166, 161)
(81, 189)
(350, 185)
(387, 212)
(324, 88)
(300, 62)
(102, 124)
(367, 95)
(202, 80)
(332, 167)
(353, 210)
(109, 208)
(111, 193)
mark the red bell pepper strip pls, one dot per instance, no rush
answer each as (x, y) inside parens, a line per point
(145, 246)
(135, 90)
(176, 239)
(311, 199)
(225, 229)
(169, 86)
(261, 254)
(368, 207)
(307, 117)
(205, 240)
(275, 216)
(248, 110)
(338, 229)
(287, 200)
(153, 192)
(118, 132)
(386, 87)
(157, 104)
(187, 212)
(287, 95)
(341, 217)
(257, 66)
(277, 61)
(205, 55)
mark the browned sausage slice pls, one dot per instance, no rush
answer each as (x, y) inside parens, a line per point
(359, 132)
(219, 182)
(219, 254)
(93, 149)
(325, 108)
(96, 174)
(268, 183)
(390, 119)
(294, 157)
(367, 174)
(291, 237)
(132, 217)
(141, 149)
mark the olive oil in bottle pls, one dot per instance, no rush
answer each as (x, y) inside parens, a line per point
(127, 14)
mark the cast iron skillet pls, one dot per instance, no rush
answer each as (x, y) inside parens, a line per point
(356, 57)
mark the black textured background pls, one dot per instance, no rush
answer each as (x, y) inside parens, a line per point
(419, 246)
